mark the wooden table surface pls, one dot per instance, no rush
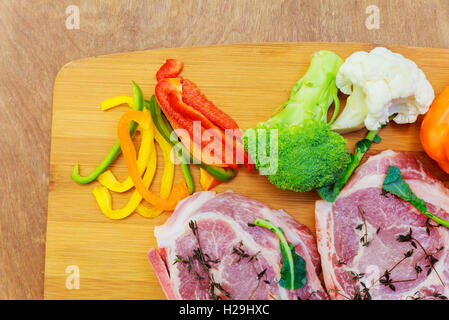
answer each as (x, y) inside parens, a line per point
(35, 44)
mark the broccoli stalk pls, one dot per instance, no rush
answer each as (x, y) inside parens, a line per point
(331, 192)
(307, 155)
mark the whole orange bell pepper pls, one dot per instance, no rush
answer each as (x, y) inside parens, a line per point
(435, 131)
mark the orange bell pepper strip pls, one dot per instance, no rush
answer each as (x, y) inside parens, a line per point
(435, 131)
(444, 165)
(179, 191)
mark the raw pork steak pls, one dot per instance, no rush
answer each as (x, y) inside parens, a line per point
(236, 253)
(358, 236)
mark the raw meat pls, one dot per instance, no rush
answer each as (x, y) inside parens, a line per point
(358, 235)
(222, 222)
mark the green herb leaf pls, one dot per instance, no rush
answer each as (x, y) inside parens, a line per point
(377, 139)
(395, 184)
(299, 274)
(364, 144)
(293, 271)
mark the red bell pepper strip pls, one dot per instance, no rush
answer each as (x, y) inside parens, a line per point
(169, 95)
(170, 69)
(183, 103)
(192, 96)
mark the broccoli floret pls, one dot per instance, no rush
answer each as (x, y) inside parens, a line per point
(308, 155)
(312, 156)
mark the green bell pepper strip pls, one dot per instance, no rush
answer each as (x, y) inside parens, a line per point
(187, 174)
(115, 150)
(164, 127)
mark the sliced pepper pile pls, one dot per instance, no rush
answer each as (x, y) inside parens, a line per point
(145, 165)
(146, 162)
(183, 107)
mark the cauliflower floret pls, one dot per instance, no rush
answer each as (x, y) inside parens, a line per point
(381, 83)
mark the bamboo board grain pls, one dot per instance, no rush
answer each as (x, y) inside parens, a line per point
(248, 81)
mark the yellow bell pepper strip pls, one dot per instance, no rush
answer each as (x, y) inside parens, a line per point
(109, 180)
(145, 212)
(116, 101)
(167, 179)
(169, 167)
(115, 150)
(208, 181)
(129, 153)
(164, 127)
(103, 196)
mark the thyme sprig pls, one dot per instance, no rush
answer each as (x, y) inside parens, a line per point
(363, 294)
(429, 257)
(205, 261)
(242, 254)
(364, 239)
(363, 225)
(188, 261)
(386, 279)
(429, 226)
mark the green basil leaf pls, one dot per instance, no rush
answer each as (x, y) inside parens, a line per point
(300, 276)
(395, 184)
(293, 271)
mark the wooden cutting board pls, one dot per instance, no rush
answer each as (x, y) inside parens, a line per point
(248, 81)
